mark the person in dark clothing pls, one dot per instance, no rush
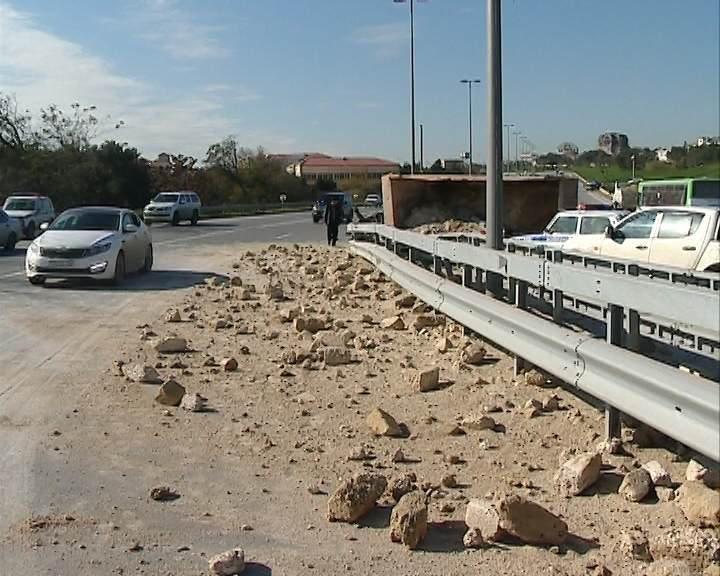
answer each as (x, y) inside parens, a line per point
(333, 218)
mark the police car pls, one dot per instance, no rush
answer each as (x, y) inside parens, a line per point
(569, 224)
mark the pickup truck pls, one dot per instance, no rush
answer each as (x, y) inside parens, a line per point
(678, 236)
(568, 224)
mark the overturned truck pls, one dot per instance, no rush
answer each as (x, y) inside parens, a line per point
(432, 203)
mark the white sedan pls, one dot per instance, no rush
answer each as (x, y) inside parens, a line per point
(101, 243)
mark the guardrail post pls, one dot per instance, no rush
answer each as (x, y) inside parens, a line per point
(437, 262)
(614, 336)
(480, 280)
(634, 330)
(557, 294)
(468, 276)
(520, 301)
(411, 255)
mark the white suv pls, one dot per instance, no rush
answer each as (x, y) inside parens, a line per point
(31, 211)
(173, 207)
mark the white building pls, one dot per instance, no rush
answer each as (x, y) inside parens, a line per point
(661, 154)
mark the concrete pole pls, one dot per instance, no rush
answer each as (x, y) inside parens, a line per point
(494, 186)
(470, 166)
(422, 150)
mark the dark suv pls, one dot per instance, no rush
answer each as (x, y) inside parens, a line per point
(318, 209)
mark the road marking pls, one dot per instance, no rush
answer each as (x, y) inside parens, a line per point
(11, 274)
(282, 236)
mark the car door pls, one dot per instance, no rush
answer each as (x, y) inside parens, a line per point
(4, 229)
(631, 239)
(679, 239)
(184, 207)
(131, 244)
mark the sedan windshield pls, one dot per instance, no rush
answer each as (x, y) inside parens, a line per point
(20, 204)
(87, 220)
(171, 198)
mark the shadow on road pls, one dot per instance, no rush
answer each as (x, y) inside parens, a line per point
(155, 281)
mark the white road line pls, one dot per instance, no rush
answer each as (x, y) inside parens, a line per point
(11, 274)
(282, 236)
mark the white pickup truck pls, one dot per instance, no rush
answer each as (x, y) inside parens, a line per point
(678, 236)
(569, 224)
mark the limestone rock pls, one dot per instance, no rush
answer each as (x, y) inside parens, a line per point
(479, 422)
(612, 446)
(171, 345)
(578, 473)
(444, 344)
(551, 403)
(275, 292)
(473, 539)
(310, 324)
(699, 504)
(401, 485)
(696, 471)
(534, 378)
(665, 494)
(473, 354)
(670, 567)
(142, 373)
(635, 545)
(658, 474)
(700, 548)
(405, 301)
(427, 380)
(481, 515)
(173, 316)
(228, 563)
(170, 393)
(531, 522)
(337, 356)
(409, 519)
(427, 321)
(193, 403)
(229, 364)
(355, 497)
(382, 424)
(636, 485)
(393, 323)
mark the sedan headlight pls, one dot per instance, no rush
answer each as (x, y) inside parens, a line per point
(33, 249)
(98, 248)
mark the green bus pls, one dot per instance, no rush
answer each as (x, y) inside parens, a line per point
(703, 192)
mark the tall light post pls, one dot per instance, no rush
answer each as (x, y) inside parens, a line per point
(523, 149)
(469, 85)
(412, 76)
(507, 127)
(517, 166)
(633, 166)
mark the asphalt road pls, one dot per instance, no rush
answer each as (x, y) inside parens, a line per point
(170, 241)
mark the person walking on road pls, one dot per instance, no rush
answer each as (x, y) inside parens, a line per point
(333, 218)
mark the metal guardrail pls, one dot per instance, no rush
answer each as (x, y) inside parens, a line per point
(684, 406)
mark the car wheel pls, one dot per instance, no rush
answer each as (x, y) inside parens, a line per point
(36, 280)
(194, 218)
(30, 231)
(148, 264)
(11, 241)
(175, 218)
(119, 270)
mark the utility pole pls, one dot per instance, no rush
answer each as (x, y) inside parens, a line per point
(469, 85)
(412, 81)
(422, 151)
(494, 182)
(517, 164)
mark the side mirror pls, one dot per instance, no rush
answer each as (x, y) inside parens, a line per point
(130, 228)
(44, 226)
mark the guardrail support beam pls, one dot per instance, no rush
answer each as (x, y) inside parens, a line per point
(614, 336)
(519, 296)
(437, 261)
(634, 330)
(612, 423)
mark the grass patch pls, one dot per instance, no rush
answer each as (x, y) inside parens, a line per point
(608, 175)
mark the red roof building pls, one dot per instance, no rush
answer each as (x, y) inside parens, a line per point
(322, 166)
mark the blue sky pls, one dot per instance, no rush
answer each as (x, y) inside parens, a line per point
(333, 75)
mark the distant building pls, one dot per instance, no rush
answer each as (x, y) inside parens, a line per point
(708, 141)
(315, 167)
(661, 154)
(568, 149)
(162, 161)
(612, 143)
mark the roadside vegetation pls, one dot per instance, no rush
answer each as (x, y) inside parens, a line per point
(54, 155)
(683, 162)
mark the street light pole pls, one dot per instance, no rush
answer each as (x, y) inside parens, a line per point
(422, 151)
(633, 166)
(507, 128)
(412, 81)
(516, 134)
(469, 84)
